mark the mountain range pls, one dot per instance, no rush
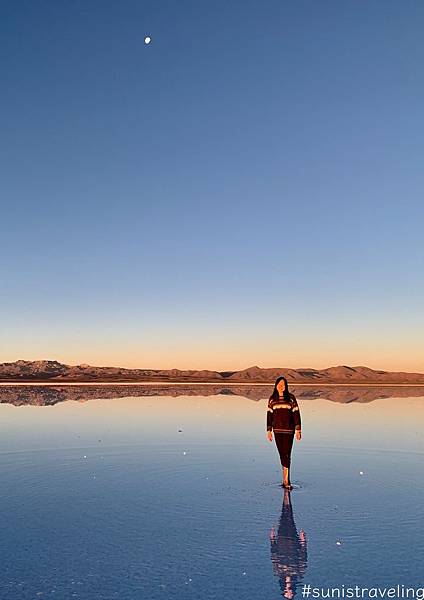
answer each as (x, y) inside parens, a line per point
(42, 371)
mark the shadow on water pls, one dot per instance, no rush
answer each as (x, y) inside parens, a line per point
(288, 547)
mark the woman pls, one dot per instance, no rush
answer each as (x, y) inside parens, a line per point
(283, 416)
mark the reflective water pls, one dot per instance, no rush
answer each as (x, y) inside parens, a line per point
(177, 496)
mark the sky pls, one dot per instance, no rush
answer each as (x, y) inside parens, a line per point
(247, 189)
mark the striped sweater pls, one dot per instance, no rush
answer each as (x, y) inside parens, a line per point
(283, 416)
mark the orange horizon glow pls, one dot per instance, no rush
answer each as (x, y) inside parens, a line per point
(183, 362)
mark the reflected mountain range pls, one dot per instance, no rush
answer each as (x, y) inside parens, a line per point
(50, 395)
(43, 371)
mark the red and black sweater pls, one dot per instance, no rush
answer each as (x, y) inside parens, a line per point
(283, 416)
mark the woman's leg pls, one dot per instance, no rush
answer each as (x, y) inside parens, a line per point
(284, 442)
(289, 446)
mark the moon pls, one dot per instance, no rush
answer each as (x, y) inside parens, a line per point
(147, 40)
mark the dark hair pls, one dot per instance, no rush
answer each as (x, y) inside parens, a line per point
(286, 394)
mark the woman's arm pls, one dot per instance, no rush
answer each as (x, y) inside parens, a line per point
(269, 416)
(296, 413)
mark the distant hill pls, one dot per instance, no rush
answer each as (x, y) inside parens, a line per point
(54, 371)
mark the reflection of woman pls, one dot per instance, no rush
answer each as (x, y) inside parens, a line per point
(288, 550)
(283, 416)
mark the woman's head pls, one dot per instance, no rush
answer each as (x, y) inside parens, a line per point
(281, 388)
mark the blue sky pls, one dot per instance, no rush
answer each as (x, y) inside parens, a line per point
(246, 189)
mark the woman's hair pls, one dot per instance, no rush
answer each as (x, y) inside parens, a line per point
(286, 394)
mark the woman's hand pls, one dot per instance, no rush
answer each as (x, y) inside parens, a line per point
(269, 435)
(298, 434)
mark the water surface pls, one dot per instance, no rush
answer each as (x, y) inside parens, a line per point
(177, 496)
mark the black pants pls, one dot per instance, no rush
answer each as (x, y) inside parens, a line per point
(284, 442)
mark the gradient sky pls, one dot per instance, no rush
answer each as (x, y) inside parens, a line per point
(246, 189)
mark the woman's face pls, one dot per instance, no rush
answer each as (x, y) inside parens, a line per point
(280, 386)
